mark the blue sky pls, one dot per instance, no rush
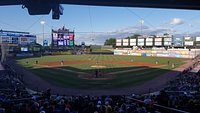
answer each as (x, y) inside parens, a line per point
(94, 24)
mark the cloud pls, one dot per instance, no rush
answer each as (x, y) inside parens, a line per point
(99, 38)
(176, 21)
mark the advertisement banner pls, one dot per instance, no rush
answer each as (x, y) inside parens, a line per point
(143, 54)
(132, 40)
(149, 39)
(149, 43)
(141, 42)
(136, 54)
(125, 41)
(158, 39)
(167, 43)
(118, 40)
(188, 38)
(167, 39)
(189, 43)
(158, 43)
(148, 54)
(162, 55)
(118, 44)
(125, 44)
(197, 38)
(132, 43)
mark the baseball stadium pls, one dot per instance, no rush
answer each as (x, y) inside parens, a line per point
(146, 64)
(141, 68)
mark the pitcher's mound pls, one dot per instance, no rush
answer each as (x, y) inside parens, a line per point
(98, 66)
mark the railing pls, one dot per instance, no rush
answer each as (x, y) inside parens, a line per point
(165, 108)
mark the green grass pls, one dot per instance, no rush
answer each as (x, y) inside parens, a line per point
(68, 79)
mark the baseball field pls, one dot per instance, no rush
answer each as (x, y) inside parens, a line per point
(98, 71)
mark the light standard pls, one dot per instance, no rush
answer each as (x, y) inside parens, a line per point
(42, 23)
(141, 22)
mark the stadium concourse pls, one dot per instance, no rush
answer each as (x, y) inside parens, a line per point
(179, 95)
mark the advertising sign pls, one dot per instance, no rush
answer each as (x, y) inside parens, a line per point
(189, 43)
(158, 43)
(141, 42)
(132, 42)
(197, 38)
(158, 39)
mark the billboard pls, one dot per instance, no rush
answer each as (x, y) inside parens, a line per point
(189, 43)
(158, 43)
(167, 43)
(26, 39)
(141, 42)
(197, 38)
(5, 39)
(118, 40)
(62, 38)
(149, 41)
(118, 44)
(178, 41)
(158, 39)
(132, 42)
(125, 42)
(187, 38)
(24, 49)
(167, 39)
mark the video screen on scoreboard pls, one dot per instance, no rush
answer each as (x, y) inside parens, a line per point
(24, 49)
(62, 39)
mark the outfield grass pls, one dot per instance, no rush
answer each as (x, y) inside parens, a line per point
(101, 50)
(69, 79)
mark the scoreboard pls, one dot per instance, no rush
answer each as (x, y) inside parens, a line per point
(62, 38)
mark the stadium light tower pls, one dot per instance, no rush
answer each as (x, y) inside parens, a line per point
(141, 23)
(189, 28)
(42, 23)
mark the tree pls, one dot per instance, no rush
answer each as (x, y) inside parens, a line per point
(133, 36)
(110, 41)
(166, 34)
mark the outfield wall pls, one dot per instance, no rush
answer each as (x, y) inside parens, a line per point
(175, 53)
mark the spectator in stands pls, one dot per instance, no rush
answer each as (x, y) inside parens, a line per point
(163, 98)
(96, 73)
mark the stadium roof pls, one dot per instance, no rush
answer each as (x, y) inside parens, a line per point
(36, 7)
